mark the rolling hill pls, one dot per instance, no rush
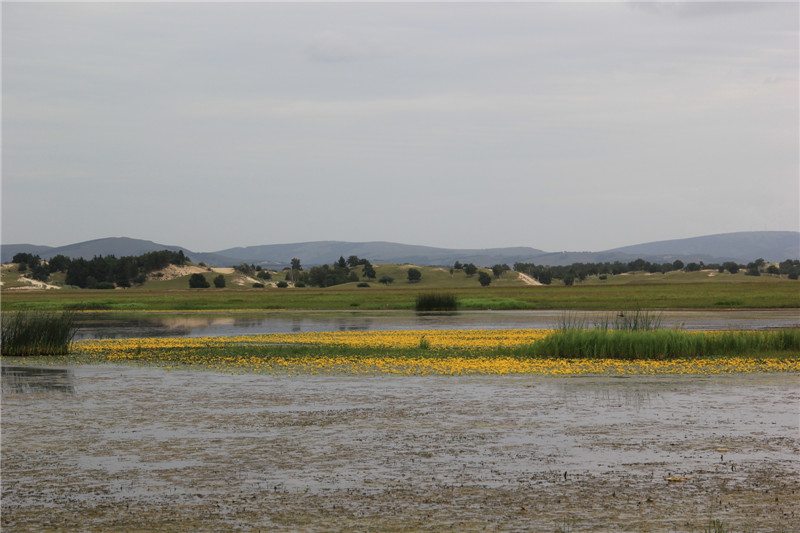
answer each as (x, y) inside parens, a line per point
(741, 247)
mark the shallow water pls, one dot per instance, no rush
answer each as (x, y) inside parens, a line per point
(128, 448)
(111, 325)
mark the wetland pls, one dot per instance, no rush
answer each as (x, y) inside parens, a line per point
(104, 447)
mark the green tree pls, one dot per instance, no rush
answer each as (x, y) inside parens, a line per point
(295, 269)
(677, 264)
(498, 270)
(219, 282)
(386, 280)
(484, 278)
(198, 281)
(470, 269)
(414, 275)
(731, 267)
(30, 260)
(40, 273)
(59, 263)
(369, 271)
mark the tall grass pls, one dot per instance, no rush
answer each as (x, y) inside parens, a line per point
(636, 320)
(663, 343)
(37, 333)
(436, 301)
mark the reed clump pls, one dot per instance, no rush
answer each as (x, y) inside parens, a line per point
(27, 333)
(663, 343)
(436, 302)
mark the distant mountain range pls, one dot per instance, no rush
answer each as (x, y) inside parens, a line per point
(741, 247)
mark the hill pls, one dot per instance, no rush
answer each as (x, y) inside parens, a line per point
(117, 246)
(325, 252)
(741, 247)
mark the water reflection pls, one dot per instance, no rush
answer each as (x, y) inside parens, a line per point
(111, 325)
(26, 380)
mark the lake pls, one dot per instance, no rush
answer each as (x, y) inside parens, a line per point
(111, 447)
(214, 324)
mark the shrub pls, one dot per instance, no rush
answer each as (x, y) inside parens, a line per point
(105, 285)
(258, 285)
(300, 284)
(37, 333)
(198, 281)
(219, 282)
(363, 284)
(282, 285)
(386, 280)
(414, 275)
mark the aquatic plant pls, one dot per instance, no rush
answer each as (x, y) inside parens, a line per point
(436, 301)
(663, 344)
(26, 333)
(634, 320)
(443, 352)
(715, 526)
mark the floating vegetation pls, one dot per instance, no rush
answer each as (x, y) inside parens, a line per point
(441, 352)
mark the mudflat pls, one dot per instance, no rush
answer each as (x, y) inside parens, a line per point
(132, 449)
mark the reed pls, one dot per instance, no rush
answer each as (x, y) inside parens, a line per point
(663, 344)
(436, 301)
(27, 333)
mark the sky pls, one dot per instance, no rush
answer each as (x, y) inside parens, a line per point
(559, 126)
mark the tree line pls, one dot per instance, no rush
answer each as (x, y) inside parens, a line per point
(568, 274)
(100, 272)
(341, 271)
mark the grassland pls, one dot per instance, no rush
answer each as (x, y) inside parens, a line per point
(675, 290)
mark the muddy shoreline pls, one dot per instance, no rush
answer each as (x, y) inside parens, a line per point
(98, 448)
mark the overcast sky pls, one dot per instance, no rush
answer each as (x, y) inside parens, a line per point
(558, 126)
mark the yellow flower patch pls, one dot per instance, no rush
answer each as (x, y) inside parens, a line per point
(439, 352)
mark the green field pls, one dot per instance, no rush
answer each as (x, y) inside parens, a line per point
(675, 290)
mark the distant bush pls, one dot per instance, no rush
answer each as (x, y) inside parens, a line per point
(219, 282)
(414, 275)
(258, 285)
(300, 284)
(105, 285)
(363, 284)
(198, 281)
(281, 284)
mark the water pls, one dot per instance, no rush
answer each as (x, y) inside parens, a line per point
(147, 449)
(112, 325)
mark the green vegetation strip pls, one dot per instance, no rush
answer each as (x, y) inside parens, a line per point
(741, 295)
(664, 344)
